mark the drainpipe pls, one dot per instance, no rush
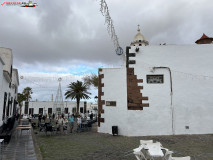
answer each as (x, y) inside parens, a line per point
(171, 94)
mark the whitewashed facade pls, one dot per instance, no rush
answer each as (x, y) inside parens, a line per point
(172, 104)
(1, 89)
(9, 86)
(92, 107)
(46, 107)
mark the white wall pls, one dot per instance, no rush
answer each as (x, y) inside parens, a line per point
(5, 88)
(5, 79)
(7, 57)
(114, 90)
(1, 91)
(45, 105)
(14, 88)
(191, 99)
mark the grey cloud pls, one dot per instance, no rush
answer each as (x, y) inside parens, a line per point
(74, 31)
(63, 34)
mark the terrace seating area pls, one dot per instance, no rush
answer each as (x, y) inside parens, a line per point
(6, 130)
(47, 127)
(24, 125)
(50, 127)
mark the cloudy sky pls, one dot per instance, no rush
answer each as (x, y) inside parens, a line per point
(69, 38)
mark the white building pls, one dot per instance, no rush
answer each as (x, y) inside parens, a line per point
(45, 107)
(1, 89)
(162, 90)
(8, 85)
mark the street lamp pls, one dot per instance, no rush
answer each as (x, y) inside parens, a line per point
(96, 99)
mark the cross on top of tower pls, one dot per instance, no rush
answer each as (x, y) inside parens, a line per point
(138, 28)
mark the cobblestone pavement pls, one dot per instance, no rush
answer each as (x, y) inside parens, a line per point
(21, 147)
(90, 145)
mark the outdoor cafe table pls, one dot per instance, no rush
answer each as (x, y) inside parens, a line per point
(84, 125)
(23, 127)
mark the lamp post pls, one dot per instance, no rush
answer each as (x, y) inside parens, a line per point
(96, 99)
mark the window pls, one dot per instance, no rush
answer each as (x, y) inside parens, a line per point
(154, 79)
(187, 127)
(81, 110)
(31, 111)
(66, 110)
(11, 105)
(5, 102)
(26, 108)
(14, 106)
(11, 71)
(110, 103)
(50, 110)
(40, 110)
(8, 106)
(74, 110)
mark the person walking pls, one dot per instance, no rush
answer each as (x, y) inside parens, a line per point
(71, 122)
(91, 116)
(39, 119)
(65, 125)
(60, 122)
(79, 123)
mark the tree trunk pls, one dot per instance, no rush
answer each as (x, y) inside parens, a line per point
(78, 102)
(20, 105)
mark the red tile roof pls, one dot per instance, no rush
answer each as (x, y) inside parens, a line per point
(204, 36)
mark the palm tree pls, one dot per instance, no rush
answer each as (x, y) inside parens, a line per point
(91, 80)
(27, 93)
(77, 90)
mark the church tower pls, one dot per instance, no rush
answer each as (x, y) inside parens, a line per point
(139, 39)
(58, 107)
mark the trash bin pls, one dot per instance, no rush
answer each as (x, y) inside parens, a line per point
(114, 130)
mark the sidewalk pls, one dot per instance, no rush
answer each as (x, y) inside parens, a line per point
(21, 146)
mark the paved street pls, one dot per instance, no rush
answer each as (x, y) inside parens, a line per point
(21, 146)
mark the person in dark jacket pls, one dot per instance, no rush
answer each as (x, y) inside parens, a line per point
(91, 116)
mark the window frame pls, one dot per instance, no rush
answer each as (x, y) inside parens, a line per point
(111, 103)
(154, 75)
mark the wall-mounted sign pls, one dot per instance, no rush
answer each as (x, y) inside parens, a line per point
(110, 103)
(154, 79)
